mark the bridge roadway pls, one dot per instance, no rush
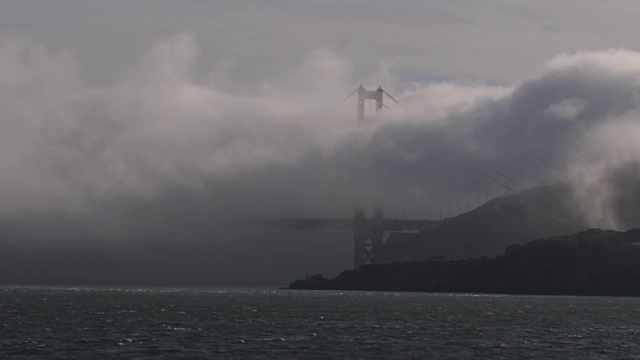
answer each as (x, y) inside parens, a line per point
(368, 234)
(350, 224)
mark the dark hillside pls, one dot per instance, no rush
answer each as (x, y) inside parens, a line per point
(488, 230)
(592, 262)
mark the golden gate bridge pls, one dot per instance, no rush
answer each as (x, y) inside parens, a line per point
(369, 234)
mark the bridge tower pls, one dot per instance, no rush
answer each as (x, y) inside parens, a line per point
(364, 94)
(368, 236)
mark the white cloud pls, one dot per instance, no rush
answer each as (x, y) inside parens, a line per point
(567, 109)
(68, 146)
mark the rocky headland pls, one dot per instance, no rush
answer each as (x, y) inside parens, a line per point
(592, 262)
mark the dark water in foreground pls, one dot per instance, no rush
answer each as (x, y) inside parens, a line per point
(85, 323)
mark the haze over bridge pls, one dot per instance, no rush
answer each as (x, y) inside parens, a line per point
(370, 234)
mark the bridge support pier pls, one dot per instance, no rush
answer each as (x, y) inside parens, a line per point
(368, 236)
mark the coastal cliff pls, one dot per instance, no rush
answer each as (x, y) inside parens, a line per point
(592, 262)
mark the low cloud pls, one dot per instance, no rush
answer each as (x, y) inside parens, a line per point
(166, 148)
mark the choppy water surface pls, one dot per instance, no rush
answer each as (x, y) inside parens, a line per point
(37, 322)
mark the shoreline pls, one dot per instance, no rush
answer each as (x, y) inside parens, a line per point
(589, 263)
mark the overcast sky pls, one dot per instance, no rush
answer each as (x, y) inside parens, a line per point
(131, 129)
(488, 41)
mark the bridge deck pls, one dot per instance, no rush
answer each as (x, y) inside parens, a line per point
(350, 224)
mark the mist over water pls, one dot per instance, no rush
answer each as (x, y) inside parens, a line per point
(162, 159)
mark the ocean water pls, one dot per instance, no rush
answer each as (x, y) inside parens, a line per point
(263, 323)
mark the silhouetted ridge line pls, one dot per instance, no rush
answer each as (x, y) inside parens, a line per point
(592, 262)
